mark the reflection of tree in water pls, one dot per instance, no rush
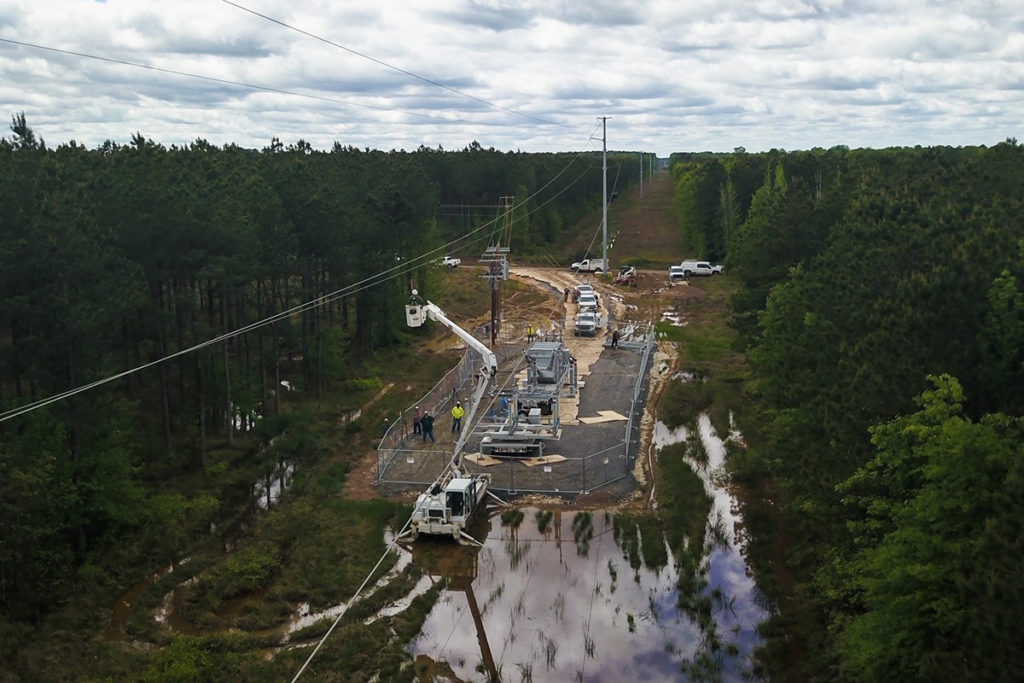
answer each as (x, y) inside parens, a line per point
(543, 518)
(583, 532)
(559, 607)
(516, 551)
(550, 650)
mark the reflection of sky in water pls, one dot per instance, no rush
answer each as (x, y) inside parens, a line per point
(555, 603)
(554, 612)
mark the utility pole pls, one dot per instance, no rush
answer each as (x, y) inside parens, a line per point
(641, 175)
(604, 192)
(496, 258)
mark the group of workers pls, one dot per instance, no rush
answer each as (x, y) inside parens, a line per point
(423, 421)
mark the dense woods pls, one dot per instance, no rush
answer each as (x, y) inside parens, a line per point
(122, 256)
(882, 309)
(880, 304)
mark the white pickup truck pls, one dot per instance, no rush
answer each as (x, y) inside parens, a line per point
(692, 268)
(590, 265)
(451, 261)
(586, 323)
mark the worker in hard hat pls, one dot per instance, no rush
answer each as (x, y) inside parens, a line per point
(457, 412)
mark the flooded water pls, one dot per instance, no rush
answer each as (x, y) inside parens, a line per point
(553, 596)
(673, 317)
(730, 580)
(559, 600)
(305, 617)
(268, 490)
(122, 608)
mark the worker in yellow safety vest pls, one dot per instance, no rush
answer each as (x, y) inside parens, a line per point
(457, 412)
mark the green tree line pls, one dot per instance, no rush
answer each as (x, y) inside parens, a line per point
(882, 309)
(120, 256)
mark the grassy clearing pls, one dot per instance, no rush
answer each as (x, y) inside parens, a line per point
(644, 231)
(716, 371)
(329, 545)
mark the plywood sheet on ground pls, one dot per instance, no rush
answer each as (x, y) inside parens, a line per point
(603, 416)
(542, 460)
(481, 459)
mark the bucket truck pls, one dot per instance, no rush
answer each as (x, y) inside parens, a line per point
(448, 504)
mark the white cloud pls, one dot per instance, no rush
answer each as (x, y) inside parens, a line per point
(705, 74)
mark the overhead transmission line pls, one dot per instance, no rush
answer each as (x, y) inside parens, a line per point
(225, 81)
(600, 223)
(394, 542)
(348, 290)
(400, 70)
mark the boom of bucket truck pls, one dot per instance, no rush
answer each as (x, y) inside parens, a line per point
(448, 504)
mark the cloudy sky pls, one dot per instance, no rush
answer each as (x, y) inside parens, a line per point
(532, 75)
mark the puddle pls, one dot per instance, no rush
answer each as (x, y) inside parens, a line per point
(558, 605)
(304, 617)
(244, 420)
(123, 607)
(673, 317)
(169, 613)
(352, 416)
(398, 606)
(268, 491)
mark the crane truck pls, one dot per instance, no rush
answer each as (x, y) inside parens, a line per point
(446, 507)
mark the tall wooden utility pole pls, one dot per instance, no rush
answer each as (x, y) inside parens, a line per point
(496, 258)
(604, 192)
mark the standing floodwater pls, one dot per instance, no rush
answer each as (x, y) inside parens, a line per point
(738, 606)
(559, 596)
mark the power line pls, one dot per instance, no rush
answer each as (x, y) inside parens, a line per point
(240, 84)
(370, 281)
(393, 544)
(386, 65)
(348, 290)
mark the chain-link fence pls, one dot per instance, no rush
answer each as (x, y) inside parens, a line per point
(585, 457)
(399, 441)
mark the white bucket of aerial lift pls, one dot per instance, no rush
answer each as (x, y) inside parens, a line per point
(415, 311)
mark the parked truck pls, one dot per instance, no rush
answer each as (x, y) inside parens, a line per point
(705, 268)
(590, 265)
